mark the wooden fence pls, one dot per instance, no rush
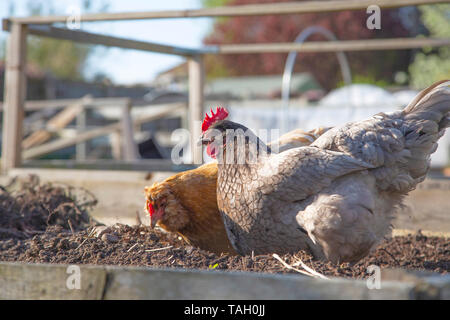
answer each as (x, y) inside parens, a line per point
(39, 142)
(20, 27)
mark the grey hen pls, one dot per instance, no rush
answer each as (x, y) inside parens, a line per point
(336, 197)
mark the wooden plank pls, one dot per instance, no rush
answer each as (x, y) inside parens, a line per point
(129, 146)
(196, 96)
(58, 122)
(15, 90)
(109, 41)
(63, 118)
(50, 281)
(36, 105)
(94, 133)
(46, 167)
(232, 11)
(330, 46)
(160, 284)
(316, 46)
(47, 281)
(116, 145)
(81, 149)
(67, 142)
(36, 138)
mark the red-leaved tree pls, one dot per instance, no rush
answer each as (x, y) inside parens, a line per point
(346, 25)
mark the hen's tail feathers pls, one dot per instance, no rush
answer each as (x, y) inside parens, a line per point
(432, 103)
(426, 119)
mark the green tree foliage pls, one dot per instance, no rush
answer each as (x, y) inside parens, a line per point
(214, 3)
(61, 58)
(429, 65)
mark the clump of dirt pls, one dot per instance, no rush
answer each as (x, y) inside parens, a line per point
(28, 207)
(142, 246)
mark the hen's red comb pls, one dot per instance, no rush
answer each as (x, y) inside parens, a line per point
(221, 114)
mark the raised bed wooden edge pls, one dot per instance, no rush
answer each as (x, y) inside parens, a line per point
(49, 281)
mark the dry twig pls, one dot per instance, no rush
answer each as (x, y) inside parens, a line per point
(70, 226)
(158, 249)
(132, 247)
(90, 234)
(310, 272)
(390, 254)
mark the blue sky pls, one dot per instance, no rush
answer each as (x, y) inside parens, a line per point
(131, 66)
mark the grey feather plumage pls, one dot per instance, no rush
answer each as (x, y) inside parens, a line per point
(338, 196)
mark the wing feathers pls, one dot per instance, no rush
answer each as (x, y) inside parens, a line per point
(298, 173)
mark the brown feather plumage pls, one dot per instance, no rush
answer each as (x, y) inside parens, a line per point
(192, 210)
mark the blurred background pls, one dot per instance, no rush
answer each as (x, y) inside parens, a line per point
(249, 85)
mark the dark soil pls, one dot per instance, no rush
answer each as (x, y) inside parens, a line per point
(27, 207)
(141, 246)
(35, 228)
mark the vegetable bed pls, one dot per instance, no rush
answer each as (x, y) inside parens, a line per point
(141, 246)
(44, 223)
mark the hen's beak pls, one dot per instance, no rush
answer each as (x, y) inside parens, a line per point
(155, 217)
(153, 222)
